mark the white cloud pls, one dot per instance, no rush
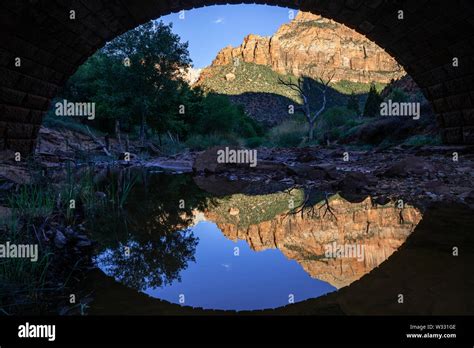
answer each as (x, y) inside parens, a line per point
(226, 266)
(218, 21)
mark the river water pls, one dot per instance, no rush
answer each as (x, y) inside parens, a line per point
(176, 242)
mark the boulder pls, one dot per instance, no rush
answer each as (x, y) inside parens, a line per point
(59, 240)
(14, 173)
(230, 77)
(208, 162)
(234, 211)
(410, 165)
(356, 182)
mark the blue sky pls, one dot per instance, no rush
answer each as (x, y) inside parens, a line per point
(209, 29)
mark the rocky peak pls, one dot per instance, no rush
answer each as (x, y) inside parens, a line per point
(306, 17)
(312, 45)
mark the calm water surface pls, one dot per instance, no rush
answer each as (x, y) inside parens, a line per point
(219, 279)
(176, 242)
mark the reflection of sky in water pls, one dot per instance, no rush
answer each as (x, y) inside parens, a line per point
(252, 280)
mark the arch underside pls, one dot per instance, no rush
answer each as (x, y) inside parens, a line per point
(52, 47)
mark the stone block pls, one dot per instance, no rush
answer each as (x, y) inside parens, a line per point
(453, 119)
(468, 135)
(468, 117)
(452, 135)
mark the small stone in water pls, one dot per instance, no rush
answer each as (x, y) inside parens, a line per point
(59, 240)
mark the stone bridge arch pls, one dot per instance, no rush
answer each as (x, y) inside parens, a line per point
(52, 46)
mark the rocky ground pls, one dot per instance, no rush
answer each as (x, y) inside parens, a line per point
(418, 176)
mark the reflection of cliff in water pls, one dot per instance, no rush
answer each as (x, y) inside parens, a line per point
(155, 226)
(302, 236)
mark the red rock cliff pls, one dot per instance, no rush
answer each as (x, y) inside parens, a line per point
(312, 45)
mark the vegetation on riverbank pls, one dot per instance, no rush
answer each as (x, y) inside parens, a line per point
(53, 217)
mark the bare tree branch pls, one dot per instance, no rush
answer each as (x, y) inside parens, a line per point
(292, 85)
(320, 111)
(98, 142)
(303, 87)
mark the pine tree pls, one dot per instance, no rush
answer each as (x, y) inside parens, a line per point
(353, 103)
(372, 105)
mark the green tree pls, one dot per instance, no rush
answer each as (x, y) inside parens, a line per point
(353, 103)
(397, 95)
(135, 80)
(155, 56)
(372, 104)
(218, 115)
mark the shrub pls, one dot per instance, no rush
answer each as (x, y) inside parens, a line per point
(420, 140)
(220, 116)
(254, 142)
(290, 133)
(353, 103)
(397, 95)
(348, 87)
(336, 117)
(169, 147)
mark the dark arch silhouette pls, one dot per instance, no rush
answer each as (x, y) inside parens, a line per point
(52, 47)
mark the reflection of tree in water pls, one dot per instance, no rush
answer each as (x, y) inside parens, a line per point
(150, 264)
(165, 203)
(153, 225)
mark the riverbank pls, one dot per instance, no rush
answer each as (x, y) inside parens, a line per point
(37, 194)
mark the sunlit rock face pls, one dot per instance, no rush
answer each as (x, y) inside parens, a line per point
(190, 75)
(373, 232)
(312, 45)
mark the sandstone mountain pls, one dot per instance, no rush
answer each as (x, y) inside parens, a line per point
(312, 45)
(309, 45)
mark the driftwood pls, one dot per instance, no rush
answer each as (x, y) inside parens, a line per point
(127, 143)
(74, 147)
(107, 142)
(153, 149)
(98, 142)
(118, 135)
